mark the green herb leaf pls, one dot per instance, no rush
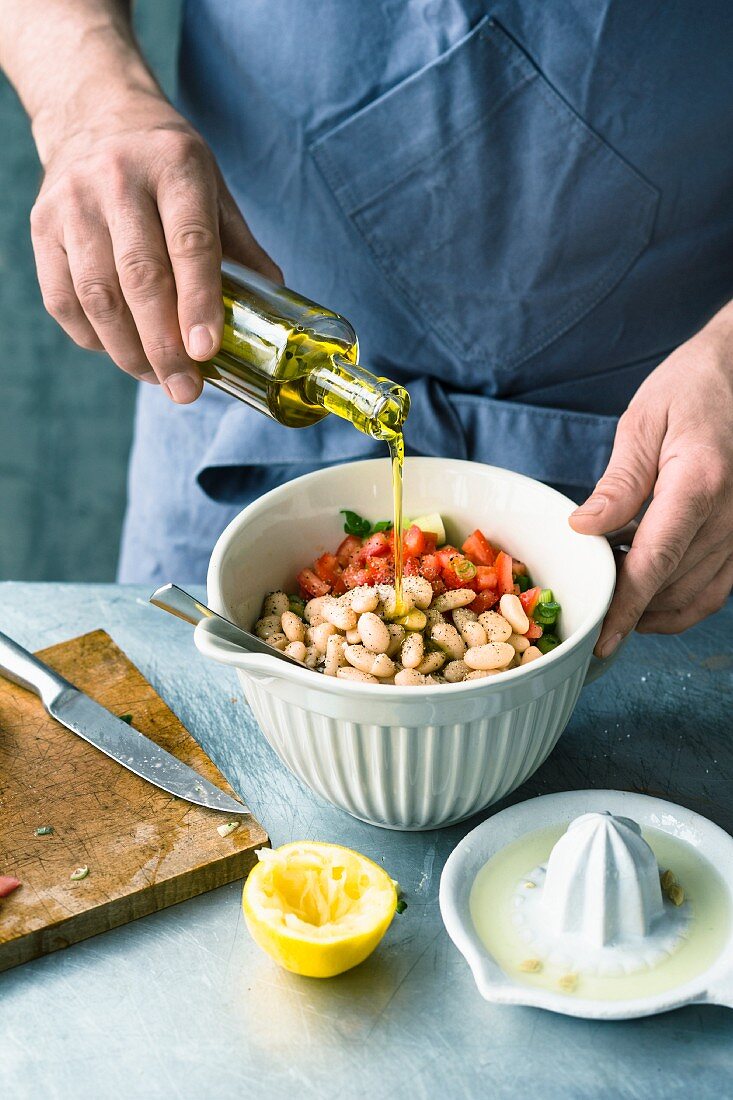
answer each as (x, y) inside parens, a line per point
(126, 718)
(383, 525)
(354, 524)
(401, 905)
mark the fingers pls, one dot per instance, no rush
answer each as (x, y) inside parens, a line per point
(705, 603)
(147, 284)
(237, 240)
(187, 203)
(57, 289)
(629, 478)
(664, 534)
(97, 289)
(687, 583)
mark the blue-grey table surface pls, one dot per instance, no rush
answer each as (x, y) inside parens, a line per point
(183, 1004)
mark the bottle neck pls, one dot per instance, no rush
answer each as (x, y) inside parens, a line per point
(376, 406)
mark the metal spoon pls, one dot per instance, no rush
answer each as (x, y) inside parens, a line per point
(185, 606)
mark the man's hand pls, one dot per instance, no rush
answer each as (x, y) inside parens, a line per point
(675, 443)
(128, 232)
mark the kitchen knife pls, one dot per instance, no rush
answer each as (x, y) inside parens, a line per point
(80, 714)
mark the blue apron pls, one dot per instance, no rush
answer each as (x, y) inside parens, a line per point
(522, 207)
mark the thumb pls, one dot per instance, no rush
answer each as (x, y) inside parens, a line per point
(627, 482)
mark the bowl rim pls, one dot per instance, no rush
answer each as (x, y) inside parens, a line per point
(389, 691)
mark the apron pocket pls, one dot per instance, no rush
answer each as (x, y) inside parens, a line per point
(496, 213)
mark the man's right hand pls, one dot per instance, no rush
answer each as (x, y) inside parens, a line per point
(128, 232)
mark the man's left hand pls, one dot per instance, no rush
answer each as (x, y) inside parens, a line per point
(675, 444)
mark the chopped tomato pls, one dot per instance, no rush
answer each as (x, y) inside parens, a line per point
(478, 548)
(438, 586)
(381, 571)
(354, 575)
(484, 601)
(376, 546)
(430, 566)
(534, 632)
(486, 577)
(327, 568)
(7, 884)
(310, 585)
(445, 554)
(431, 541)
(346, 550)
(530, 599)
(414, 541)
(503, 566)
(411, 567)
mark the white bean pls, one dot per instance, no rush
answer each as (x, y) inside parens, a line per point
(413, 620)
(469, 627)
(481, 673)
(275, 603)
(512, 610)
(376, 664)
(271, 624)
(335, 657)
(353, 637)
(420, 591)
(391, 610)
(408, 677)
(363, 599)
(447, 638)
(493, 655)
(496, 627)
(311, 656)
(432, 617)
(431, 662)
(531, 654)
(293, 626)
(348, 673)
(396, 638)
(520, 643)
(320, 635)
(312, 610)
(374, 633)
(296, 650)
(413, 649)
(339, 614)
(278, 641)
(457, 597)
(455, 671)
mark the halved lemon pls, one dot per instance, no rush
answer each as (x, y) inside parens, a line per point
(317, 909)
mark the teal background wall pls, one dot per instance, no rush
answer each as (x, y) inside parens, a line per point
(65, 414)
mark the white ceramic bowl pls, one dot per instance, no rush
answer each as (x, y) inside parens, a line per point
(411, 758)
(714, 986)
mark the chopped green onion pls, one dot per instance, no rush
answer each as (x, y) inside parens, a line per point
(464, 569)
(546, 613)
(296, 605)
(79, 873)
(546, 596)
(44, 830)
(547, 643)
(226, 830)
(126, 718)
(401, 905)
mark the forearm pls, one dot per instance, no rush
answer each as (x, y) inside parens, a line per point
(69, 61)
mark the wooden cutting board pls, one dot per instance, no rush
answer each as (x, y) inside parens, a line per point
(144, 848)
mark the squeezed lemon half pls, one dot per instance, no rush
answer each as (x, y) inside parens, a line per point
(317, 909)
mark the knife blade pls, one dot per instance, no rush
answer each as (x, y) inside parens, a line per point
(122, 743)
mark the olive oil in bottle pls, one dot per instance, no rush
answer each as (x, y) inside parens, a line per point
(296, 362)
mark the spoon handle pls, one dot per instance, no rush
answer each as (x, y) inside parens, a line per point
(185, 606)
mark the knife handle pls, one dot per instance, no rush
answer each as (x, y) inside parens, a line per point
(20, 666)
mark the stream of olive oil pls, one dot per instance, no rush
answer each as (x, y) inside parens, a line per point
(297, 362)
